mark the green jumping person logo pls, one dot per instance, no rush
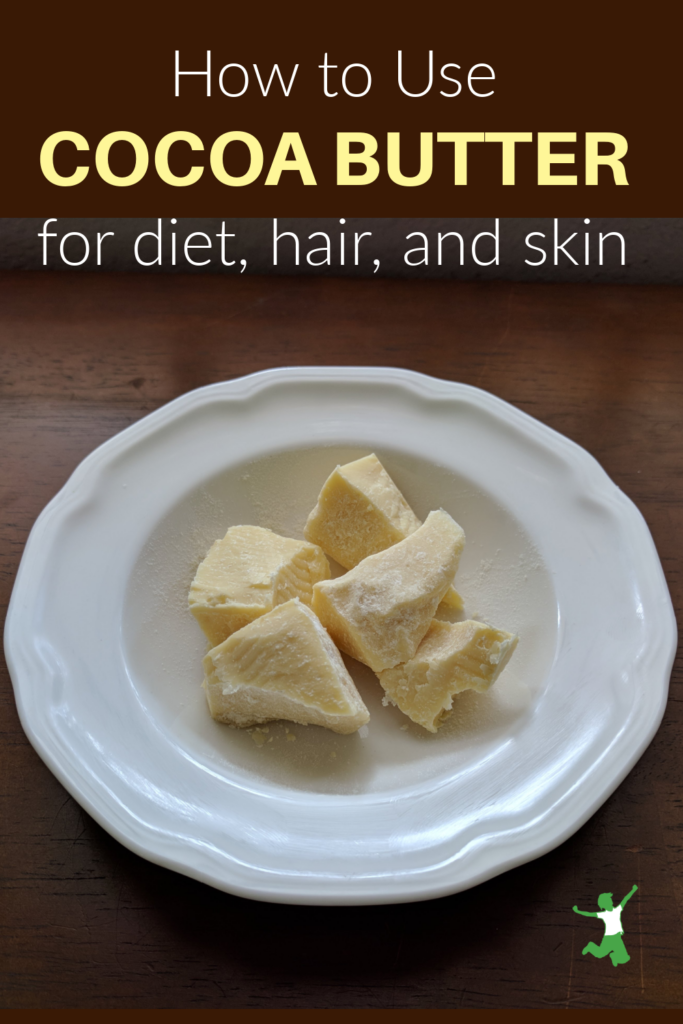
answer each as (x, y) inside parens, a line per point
(612, 943)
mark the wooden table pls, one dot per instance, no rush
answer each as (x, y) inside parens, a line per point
(84, 922)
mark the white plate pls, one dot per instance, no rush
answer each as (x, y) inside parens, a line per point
(105, 657)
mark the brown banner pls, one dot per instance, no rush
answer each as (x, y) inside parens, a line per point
(374, 110)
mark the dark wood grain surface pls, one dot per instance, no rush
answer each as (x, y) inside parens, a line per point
(84, 922)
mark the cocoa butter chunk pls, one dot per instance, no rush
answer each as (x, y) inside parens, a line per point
(283, 665)
(451, 658)
(360, 512)
(379, 611)
(248, 573)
